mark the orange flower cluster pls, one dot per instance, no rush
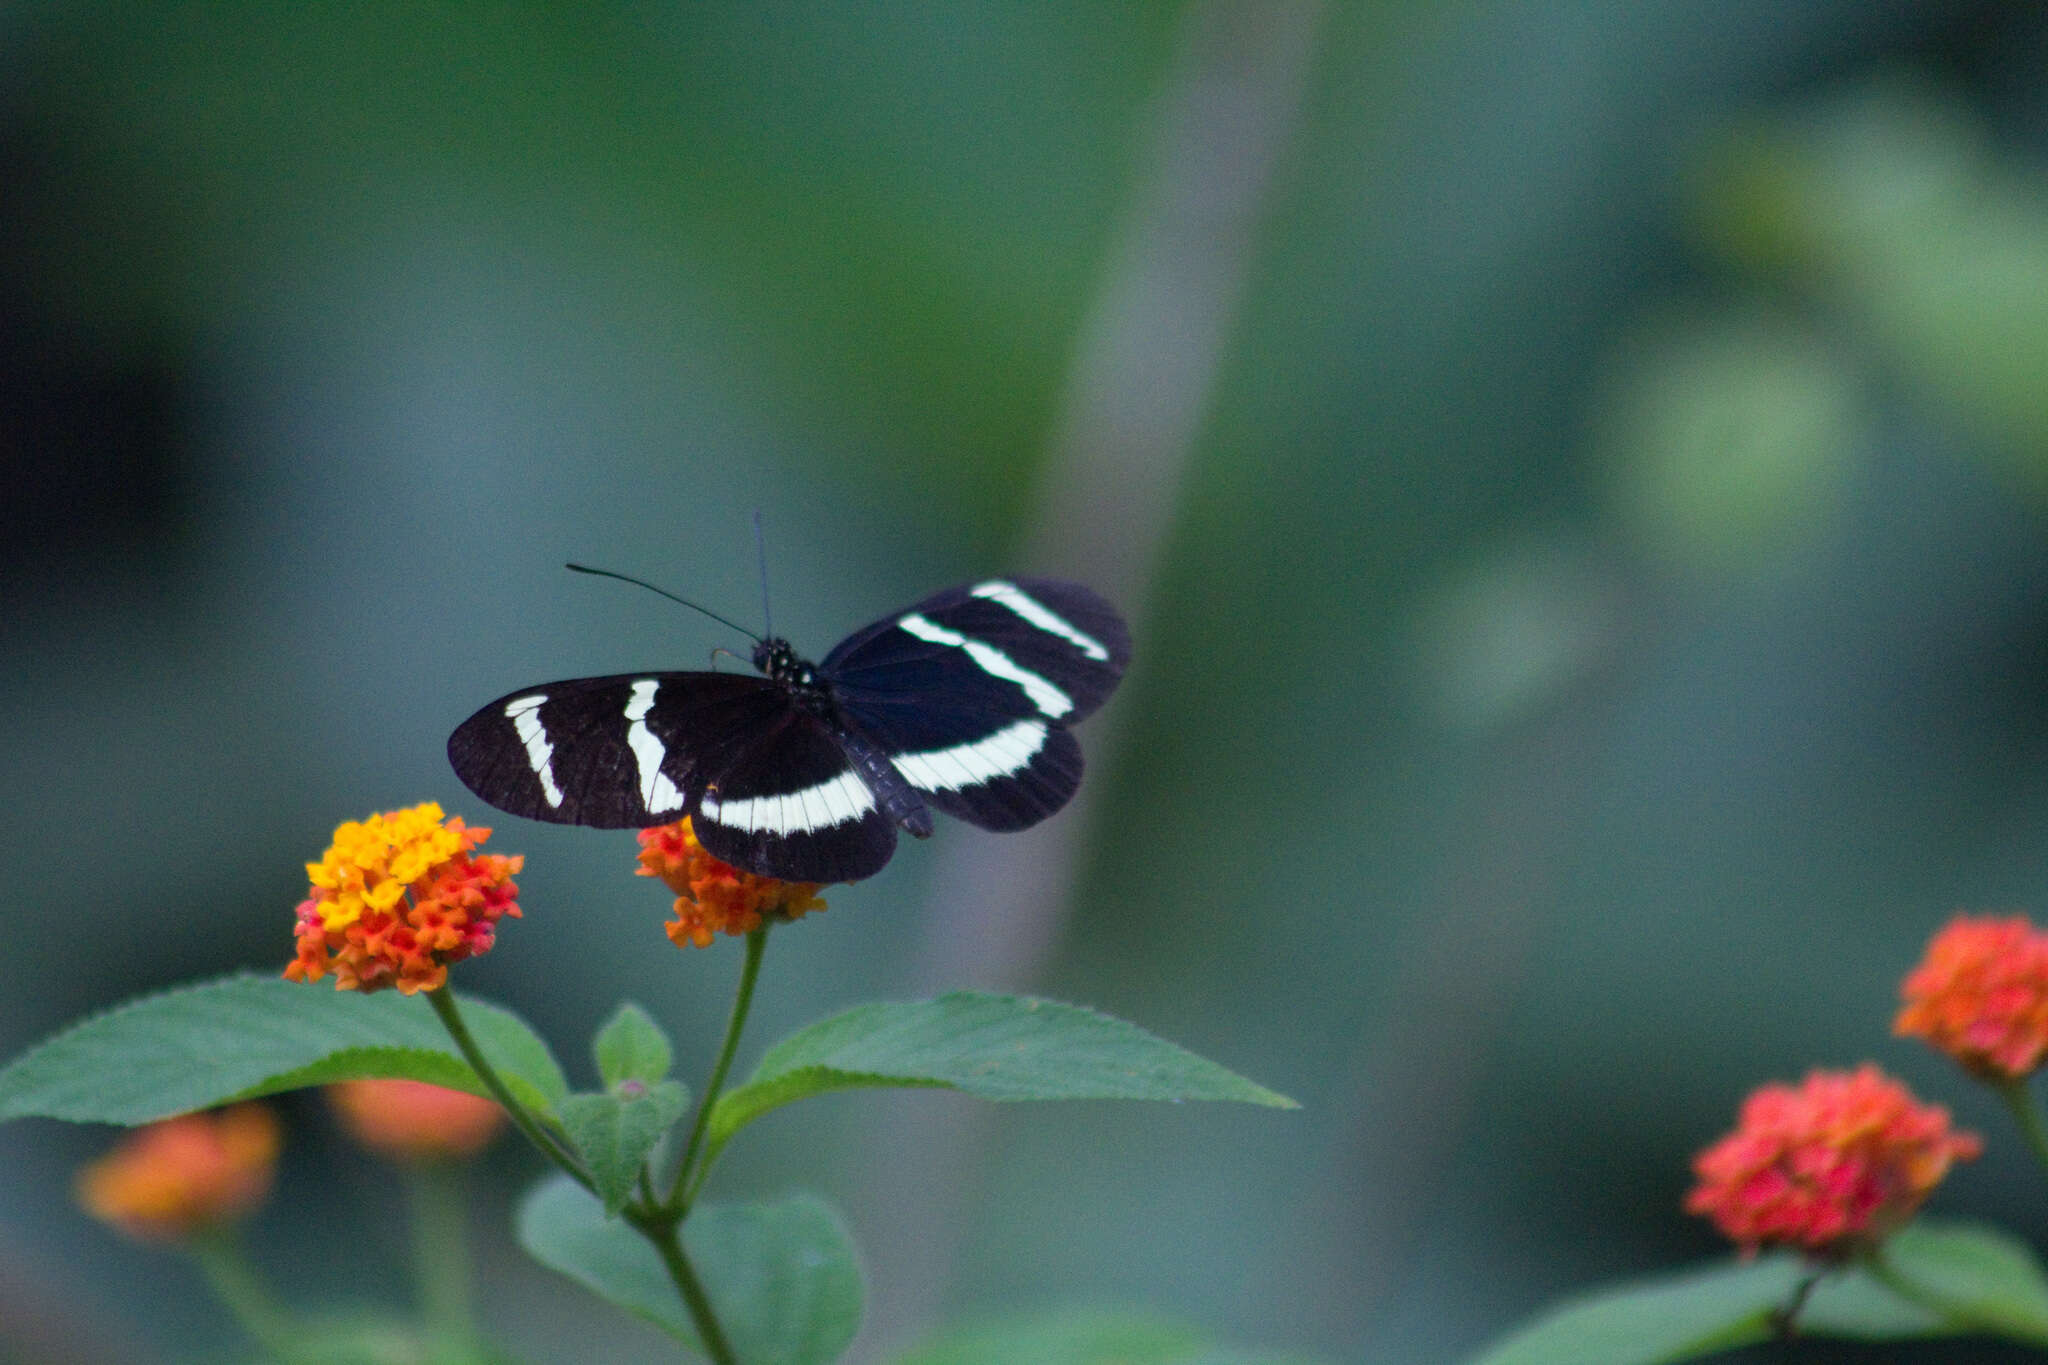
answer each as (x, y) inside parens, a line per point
(184, 1175)
(1981, 995)
(397, 898)
(1841, 1159)
(713, 897)
(414, 1121)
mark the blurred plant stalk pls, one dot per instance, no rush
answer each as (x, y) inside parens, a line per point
(1145, 366)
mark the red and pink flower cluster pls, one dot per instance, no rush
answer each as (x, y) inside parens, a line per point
(1843, 1158)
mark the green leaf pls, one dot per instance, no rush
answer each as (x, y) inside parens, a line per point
(1083, 1338)
(632, 1047)
(365, 1337)
(1672, 1317)
(243, 1036)
(1935, 1281)
(616, 1129)
(1075, 1338)
(995, 1047)
(782, 1278)
(1938, 1279)
(1849, 1303)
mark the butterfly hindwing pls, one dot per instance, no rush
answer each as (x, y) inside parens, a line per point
(787, 801)
(1016, 798)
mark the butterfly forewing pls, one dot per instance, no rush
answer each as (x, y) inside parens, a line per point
(970, 691)
(621, 752)
(1022, 646)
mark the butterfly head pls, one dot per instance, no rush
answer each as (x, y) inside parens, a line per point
(779, 661)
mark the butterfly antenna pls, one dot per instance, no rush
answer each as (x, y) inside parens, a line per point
(761, 557)
(643, 583)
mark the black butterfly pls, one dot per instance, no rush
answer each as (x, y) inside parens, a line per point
(959, 703)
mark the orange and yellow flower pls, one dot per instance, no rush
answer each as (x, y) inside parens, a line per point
(185, 1175)
(1840, 1160)
(414, 1121)
(399, 897)
(1981, 995)
(714, 897)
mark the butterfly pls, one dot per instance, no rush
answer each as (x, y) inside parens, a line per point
(960, 703)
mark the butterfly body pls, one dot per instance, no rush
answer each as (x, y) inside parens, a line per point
(806, 772)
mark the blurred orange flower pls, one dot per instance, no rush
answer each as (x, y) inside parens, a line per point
(1842, 1159)
(184, 1175)
(397, 898)
(414, 1121)
(714, 897)
(1981, 995)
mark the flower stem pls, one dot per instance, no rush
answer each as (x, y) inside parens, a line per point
(663, 1227)
(2027, 1114)
(440, 1253)
(443, 1001)
(688, 1178)
(235, 1283)
(661, 1222)
(1787, 1317)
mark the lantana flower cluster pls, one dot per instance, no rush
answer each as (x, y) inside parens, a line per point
(1981, 995)
(1834, 1162)
(714, 897)
(1844, 1158)
(397, 898)
(184, 1176)
(414, 1121)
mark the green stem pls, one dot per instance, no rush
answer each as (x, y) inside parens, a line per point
(234, 1281)
(663, 1228)
(702, 1174)
(441, 1253)
(688, 1177)
(1787, 1317)
(443, 1001)
(2027, 1114)
(661, 1223)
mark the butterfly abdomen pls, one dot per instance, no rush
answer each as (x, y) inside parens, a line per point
(898, 800)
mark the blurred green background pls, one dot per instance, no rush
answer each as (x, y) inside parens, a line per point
(1576, 470)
